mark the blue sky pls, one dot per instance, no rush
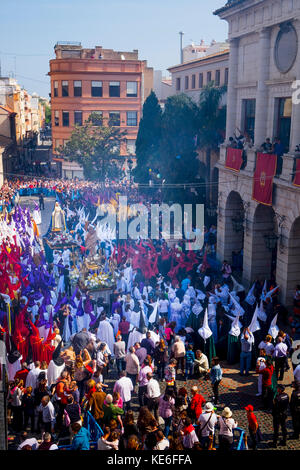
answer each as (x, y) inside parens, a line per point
(32, 27)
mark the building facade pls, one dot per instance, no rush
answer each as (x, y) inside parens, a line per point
(264, 63)
(191, 77)
(111, 83)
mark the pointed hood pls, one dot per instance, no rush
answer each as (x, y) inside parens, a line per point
(235, 326)
(254, 325)
(205, 332)
(152, 318)
(142, 326)
(261, 314)
(14, 354)
(250, 299)
(58, 361)
(273, 330)
(237, 309)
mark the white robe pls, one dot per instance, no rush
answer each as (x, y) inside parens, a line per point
(12, 369)
(31, 379)
(106, 333)
(53, 372)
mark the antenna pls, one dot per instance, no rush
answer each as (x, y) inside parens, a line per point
(181, 33)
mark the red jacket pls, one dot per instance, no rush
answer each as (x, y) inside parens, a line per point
(196, 404)
(267, 376)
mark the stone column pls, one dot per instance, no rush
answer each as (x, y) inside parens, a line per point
(232, 91)
(1, 166)
(261, 113)
(295, 125)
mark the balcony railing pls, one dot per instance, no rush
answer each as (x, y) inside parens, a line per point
(286, 165)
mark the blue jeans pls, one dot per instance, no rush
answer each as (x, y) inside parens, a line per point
(168, 422)
(121, 365)
(189, 369)
(245, 362)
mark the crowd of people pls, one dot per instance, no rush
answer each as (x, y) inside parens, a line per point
(173, 316)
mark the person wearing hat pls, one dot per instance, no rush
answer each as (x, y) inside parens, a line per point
(254, 430)
(279, 413)
(206, 424)
(227, 424)
(295, 409)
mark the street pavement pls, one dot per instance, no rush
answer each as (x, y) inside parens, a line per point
(235, 391)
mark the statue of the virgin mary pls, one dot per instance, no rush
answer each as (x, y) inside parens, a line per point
(58, 219)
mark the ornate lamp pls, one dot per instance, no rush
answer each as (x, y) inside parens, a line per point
(271, 241)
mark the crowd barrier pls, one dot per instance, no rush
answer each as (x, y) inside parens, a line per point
(96, 432)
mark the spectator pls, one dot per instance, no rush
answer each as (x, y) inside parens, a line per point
(81, 437)
(227, 424)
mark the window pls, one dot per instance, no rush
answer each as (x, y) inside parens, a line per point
(114, 89)
(178, 84)
(114, 118)
(56, 118)
(217, 78)
(130, 147)
(97, 118)
(96, 88)
(65, 118)
(77, 87)
(55, 88)
(193, 82)
(131, 118)
(132, 89)
(249, 117)
(65, 88)
(226, 76)
(200, 80)
(284, 115)
(186, 83)
(78, 118)
(208, 77)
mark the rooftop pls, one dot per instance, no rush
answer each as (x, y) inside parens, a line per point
(201, 59)
(74, 50)
(229, 4)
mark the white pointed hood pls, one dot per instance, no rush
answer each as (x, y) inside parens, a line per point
(205, 332)
(254, 325)
(250, 299)
(235, 327)
(273, 330)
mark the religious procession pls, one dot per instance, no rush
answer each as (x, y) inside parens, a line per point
(142, 344)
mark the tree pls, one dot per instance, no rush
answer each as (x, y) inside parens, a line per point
(148, 139)
(96, 147)
(212, 122)
(178, 157)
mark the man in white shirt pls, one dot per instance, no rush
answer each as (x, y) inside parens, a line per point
(31, 379)
(207, 422)
(152, 394)
(48, 414)
(163, 306)
(124, 387)
(162, 442)
(280, 353)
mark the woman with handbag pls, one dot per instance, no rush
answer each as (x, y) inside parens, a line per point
(227, 424)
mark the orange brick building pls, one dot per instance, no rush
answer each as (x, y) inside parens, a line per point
(114, 84)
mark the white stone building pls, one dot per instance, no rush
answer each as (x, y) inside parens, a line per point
(264, 62)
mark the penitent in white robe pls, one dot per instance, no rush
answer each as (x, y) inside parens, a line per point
(105, 333)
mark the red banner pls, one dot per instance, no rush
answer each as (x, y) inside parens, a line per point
(234, 159)
(296, 181)
(263, 178)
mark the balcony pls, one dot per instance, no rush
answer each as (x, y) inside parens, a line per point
(286, 171)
